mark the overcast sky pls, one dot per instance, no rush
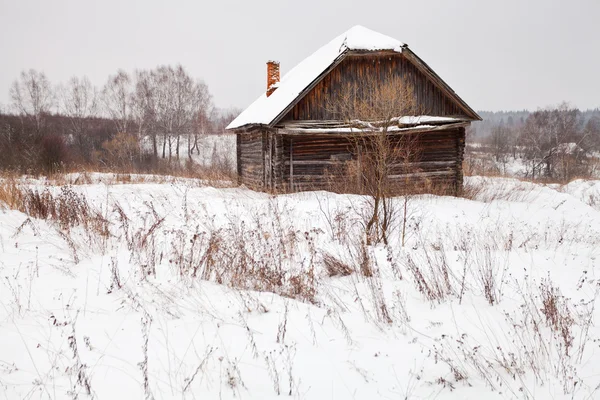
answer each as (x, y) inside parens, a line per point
(496, 55)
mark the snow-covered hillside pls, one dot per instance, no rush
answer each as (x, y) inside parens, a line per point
(176, 290)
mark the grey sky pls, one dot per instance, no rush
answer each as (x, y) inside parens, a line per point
(495, 54)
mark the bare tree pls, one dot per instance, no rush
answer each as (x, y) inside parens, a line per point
(202, 117)
(117, 95)
(168, 97)
(591, 133)
(551, 139)
(222, 117)
(182, 107)
(79, 103)
(32, 97)
(169, 104)
(534, 142)
(144, 108)
(373, 110)
(499, 141)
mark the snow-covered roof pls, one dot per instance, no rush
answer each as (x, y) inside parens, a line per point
(265, 109)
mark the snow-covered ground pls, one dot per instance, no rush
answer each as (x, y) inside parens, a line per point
(175, 290)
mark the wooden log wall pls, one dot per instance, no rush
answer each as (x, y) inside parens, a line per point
(460, 143)
(353, 70)
(251, 160)
(278, 163)
(318, 162)
(312, 159)
(275, 162)
(437, 167)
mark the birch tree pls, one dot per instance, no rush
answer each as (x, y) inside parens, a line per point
(117, 95)
(79, 103)
(32, 96)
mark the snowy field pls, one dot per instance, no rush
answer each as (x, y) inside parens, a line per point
(175, 290)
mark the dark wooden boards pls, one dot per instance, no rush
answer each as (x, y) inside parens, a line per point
(274, 161)
(358, 69)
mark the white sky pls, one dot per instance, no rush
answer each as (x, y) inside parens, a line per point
(496, 55)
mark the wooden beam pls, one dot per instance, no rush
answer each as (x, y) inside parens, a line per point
(291, 164)
(238, 152)
(359, 132)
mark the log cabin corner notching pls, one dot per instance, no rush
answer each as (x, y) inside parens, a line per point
(287, 140)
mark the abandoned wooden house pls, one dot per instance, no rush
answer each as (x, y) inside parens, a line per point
(292, 139)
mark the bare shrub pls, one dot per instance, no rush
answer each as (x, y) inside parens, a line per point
(535, 343)
(489, 273)
(261, 257)
(79, 368)
(364, 259)
(593, 201)
(472, 189)
(146, 322)
(115, 281)
(335, 266)
(337, 218)
(557, 313)
(480, 164)
(122, 151)
(431, 273)
(144, 245)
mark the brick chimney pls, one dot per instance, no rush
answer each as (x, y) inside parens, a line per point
(272, 76)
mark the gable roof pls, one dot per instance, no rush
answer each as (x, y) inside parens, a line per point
(300, 79)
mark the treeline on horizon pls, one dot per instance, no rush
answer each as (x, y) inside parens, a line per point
(481, 130)
(145, 121)
(556, 143)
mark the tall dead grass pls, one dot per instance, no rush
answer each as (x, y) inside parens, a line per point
(67, 208)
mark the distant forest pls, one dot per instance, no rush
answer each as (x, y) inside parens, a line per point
(138, 122)
(481, 130)
(559, 143)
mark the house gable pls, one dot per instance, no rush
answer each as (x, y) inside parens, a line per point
(269, 110)
(433, 97)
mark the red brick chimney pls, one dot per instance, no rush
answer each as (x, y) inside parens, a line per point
(272, 76)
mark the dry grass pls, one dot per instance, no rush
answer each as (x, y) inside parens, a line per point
(557, 312)
(488, 191)
(218, 174)
(10, 193)
(335, 266)
(431, 273)
(67, 208)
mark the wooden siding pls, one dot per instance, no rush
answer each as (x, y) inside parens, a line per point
(354, 68)
(311, 158)
(316, 162)
(250, 161)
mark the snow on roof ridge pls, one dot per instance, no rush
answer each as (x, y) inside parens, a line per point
(265, 109)
(376, 41)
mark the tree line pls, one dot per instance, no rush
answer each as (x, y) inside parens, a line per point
(557, 143)
(142, 121)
